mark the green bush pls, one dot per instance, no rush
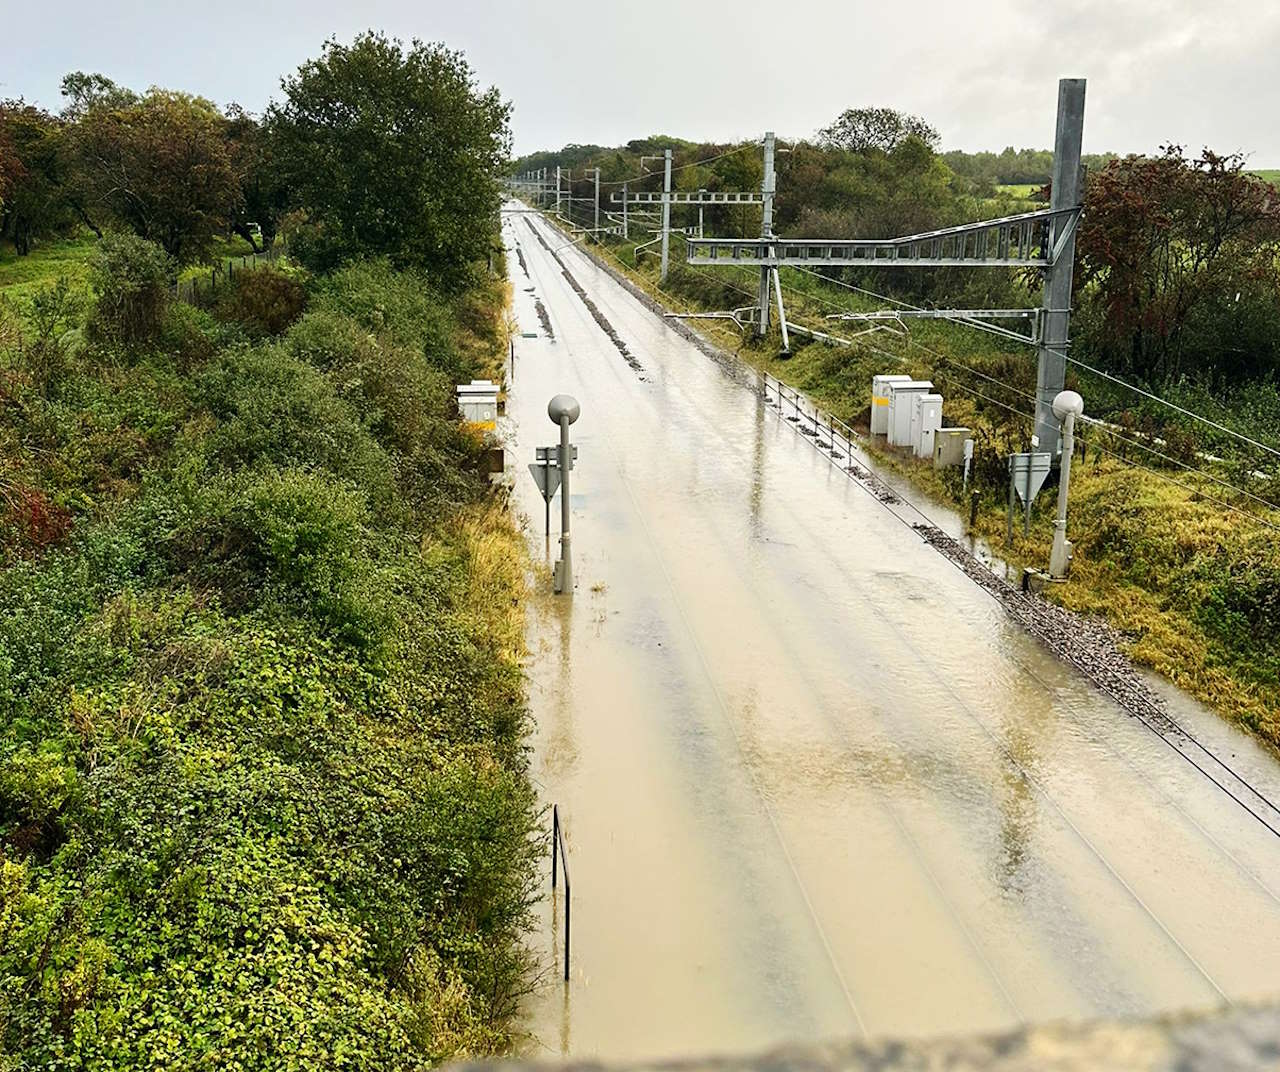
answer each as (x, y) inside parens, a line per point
(401, 306)
(264, 300)
(269, 406)
(131, 279)
(330, 340)
(263, 798)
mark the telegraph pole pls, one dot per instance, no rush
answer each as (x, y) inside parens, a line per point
(624, 212)
(766, 231)
(666, 213)
(1056, 314)
(597, 223)
(557, 189)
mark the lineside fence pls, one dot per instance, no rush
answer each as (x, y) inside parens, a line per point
(558, 851)
(206, 284)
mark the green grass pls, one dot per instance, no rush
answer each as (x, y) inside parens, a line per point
(1021, 190)
(1271, 175)
(20, 277)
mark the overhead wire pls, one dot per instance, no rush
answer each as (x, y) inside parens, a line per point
(1072, 360)
(681, 167)
(1174, 406)
(1266, 504)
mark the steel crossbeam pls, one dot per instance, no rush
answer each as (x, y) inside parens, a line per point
(689, 197)
(1022, 241)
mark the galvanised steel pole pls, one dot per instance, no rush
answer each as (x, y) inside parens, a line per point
(666, 213)
(625, 234)
(1067, 192)
(564, 410)
(557, 189)
(597, 223)
(566, 465)
(766, 231)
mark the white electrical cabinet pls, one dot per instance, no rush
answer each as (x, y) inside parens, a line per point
(880, 401)
(902, 399)
(926, 419)
(478, 403)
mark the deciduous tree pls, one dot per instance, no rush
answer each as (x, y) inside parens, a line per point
(395, 150)
(858, 130)
(34, 199)
(161, 165)
(1178, 266)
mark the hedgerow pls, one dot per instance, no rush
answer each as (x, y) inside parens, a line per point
(263, 801)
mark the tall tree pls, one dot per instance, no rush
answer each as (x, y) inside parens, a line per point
(858, 130)
(396, 151)
(160, 165)
(264, 197)
(35, 199)
(1178, 266)
(87, 91)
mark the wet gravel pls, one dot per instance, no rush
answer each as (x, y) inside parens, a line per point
(592, 308)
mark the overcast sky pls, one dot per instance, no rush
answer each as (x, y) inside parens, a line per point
(1198, 72)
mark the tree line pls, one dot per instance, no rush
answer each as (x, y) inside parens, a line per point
(179, 171)
(1178, 272)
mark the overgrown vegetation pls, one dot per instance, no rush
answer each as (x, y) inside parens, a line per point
(1176, 522)
(263, 799)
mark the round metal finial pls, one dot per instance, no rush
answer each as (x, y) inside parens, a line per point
(563, 406)
(1067, 402)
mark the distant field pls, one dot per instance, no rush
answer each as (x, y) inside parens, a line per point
(20, 277)
(1272, 175)
(1021, 190)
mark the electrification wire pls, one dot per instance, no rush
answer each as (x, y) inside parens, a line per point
(681, 167)
(1106, 430)
(947, 358)
(1073, 360)
(1174, 406)
(1171, 722)
(1194, 490)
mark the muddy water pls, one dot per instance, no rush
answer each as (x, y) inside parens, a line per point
(814, 783)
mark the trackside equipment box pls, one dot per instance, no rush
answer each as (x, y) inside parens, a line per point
(478, 403)
(926, 419)
(902, 399)
(880, 401)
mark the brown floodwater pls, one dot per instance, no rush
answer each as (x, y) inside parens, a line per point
(814, 783)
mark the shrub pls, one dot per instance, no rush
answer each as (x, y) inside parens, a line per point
(265, 300)
(330, 340)
(131, 278)
(398, 305)
(54, 316)
(192, 336)
(271, 407)
(283, 535)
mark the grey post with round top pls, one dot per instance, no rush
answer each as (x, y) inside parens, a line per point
(1067, 406)
(564, 410)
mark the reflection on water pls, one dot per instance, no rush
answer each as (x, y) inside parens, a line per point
(812, 777)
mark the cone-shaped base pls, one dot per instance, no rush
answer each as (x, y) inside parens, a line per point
(784, 355)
